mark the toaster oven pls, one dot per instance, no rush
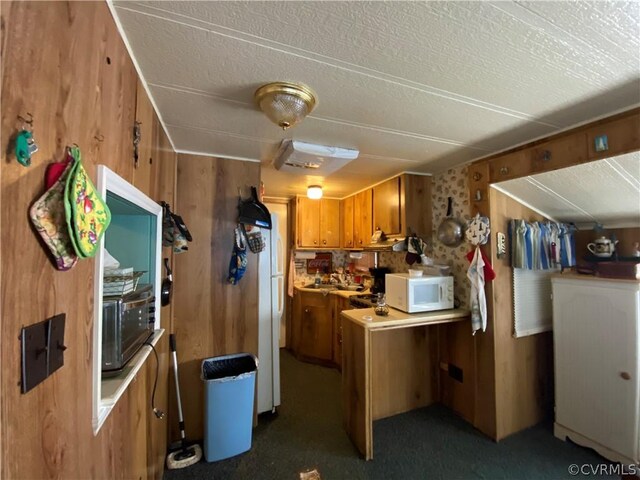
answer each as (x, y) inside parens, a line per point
(127, 322)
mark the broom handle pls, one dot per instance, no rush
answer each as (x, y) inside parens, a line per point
(172, 345)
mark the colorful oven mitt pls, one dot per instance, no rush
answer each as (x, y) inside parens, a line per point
(48, 217)
(88, 216)
(238, 263)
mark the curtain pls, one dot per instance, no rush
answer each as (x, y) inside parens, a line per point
(541, 245)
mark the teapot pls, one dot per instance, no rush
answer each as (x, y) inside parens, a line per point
(602, 247)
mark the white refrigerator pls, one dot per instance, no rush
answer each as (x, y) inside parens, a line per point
(271, 292)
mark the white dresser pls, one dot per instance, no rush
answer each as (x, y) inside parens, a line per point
(596, 334)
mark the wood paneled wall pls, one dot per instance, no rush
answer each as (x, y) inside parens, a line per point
(523, 366)
(212, 317)
(65, 63)
(514, 376)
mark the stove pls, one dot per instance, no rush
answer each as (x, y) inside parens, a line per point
(363, 301)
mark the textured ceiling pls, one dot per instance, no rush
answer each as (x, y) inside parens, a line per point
(606, 191)
(414, 86)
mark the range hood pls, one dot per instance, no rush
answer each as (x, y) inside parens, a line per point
(310, 159)
(381, 243)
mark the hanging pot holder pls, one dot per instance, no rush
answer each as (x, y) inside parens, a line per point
(254, 238)
(478, 230)
(238, 263)
(48, 217)
(88, 216)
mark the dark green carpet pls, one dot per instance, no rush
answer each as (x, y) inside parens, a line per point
(429, 443)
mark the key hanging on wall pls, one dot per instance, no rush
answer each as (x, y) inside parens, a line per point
(25, 144)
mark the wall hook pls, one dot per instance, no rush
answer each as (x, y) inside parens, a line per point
(25, 121)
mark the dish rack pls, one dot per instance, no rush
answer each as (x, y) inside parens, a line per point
(119, 285)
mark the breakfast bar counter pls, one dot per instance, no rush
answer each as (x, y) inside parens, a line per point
(389, 366)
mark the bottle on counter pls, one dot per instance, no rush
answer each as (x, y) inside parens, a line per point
(317, 281)
(381, 307)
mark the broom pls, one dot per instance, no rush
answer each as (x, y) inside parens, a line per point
(187, 454)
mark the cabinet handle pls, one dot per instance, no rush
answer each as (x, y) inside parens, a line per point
(324, 242)
(625, 375)
(315, 241)
(306, 310)
(504, 170)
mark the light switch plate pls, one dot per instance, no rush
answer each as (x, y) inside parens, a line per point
(501, 241)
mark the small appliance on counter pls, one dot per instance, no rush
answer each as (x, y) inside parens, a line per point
(418, 294)
(127, 322)
(378, 274)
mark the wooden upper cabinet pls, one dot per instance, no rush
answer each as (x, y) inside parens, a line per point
(329, 223)
(559, 153)
(623, 136)
(346, 218)
(362, 209)
(416, 205)
(308, 222)
(386, 207)
(317, 223)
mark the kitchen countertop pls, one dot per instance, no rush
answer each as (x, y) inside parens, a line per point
(398, 319)
(340, 293)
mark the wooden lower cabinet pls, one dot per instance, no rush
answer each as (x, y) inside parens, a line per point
(316, 333)
(312, 328)
(339, 304)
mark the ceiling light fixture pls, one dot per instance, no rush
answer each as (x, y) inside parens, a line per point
(314, 192)
(286, 104)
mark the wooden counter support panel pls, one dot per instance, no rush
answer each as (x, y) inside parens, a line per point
(457, 350)
(389, 366)
(402, 371)
(356, 405)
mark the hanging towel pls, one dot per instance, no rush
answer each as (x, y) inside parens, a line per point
(477, 300)
(489, 273)
(292, 273)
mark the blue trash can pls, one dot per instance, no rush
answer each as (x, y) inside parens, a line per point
(229, 385)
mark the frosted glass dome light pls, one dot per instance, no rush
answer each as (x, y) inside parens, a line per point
(314, 192)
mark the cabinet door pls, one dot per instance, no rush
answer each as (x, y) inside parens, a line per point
(386, 207)
(416, 210)
(346, 233)
(308, 222)
(596, 342)
(362, 207)
(340, 305)
(329, 223)
(316, 331)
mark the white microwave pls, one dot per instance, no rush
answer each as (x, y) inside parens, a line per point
(418, 294)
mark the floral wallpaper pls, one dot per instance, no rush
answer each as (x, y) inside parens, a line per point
(452, 183)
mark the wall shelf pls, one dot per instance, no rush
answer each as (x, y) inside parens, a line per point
(135, 239)
(112, 388)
